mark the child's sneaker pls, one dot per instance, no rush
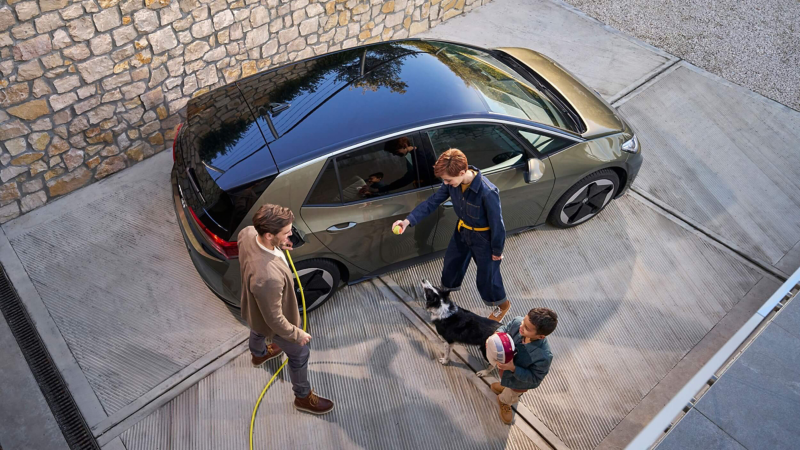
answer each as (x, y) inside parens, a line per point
(500, 311)
(497, 388)
(506, 414)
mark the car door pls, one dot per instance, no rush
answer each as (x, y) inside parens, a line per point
(358, 196)
(504, 159)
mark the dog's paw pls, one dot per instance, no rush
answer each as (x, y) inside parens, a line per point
(483, 373)
(444, 360)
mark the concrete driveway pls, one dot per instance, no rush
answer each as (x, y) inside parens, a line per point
(646, 291)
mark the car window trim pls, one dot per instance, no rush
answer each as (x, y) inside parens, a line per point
(536, 128)
(539, 155)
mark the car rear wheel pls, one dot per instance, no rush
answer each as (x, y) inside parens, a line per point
(585, 199)
(320, 279)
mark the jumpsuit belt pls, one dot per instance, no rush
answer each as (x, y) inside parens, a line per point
(461, 225)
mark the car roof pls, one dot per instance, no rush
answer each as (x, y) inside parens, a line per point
(318, 105)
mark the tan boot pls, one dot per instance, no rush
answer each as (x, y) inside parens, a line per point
(500, 311)
(313, 404)
(497, 388)
(506, 413)
(273, 351)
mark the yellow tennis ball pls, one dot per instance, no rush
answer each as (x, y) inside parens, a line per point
(396, 229)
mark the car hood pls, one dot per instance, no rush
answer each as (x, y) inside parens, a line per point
(597, 114)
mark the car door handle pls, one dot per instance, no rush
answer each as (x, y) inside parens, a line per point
(341, 226)
(448, 204)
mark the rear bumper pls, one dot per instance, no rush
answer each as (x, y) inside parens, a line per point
(211, 269)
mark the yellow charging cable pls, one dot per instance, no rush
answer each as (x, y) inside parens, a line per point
(305, 322)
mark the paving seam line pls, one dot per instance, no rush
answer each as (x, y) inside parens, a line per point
(682, 219)
(119, 427)
(638, 86)
(406, 303)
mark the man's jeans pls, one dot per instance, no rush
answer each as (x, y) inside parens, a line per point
(464, 246)
(298, 360)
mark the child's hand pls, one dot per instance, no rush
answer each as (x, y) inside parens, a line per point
(507, 366)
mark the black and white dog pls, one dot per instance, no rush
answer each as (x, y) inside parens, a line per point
(455, 324)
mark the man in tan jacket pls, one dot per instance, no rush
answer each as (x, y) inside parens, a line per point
(269, 304)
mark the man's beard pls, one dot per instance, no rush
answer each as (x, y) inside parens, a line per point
(276, 242)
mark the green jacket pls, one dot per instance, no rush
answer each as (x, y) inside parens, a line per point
(532, 360)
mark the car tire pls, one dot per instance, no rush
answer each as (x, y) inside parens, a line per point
(320, 279)
(585, 199)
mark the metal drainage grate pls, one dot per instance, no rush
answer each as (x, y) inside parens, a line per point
(75, 429)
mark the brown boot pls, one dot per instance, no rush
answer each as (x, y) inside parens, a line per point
(273, 351)
(313, 404)
(506, 414)
(497, 388)
(500, 311)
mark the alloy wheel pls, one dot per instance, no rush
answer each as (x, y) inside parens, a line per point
(587, 202)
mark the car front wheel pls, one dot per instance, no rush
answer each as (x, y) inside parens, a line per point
(320, 279)
(585, 199)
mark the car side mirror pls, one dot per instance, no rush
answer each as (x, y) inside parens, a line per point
(535, 170)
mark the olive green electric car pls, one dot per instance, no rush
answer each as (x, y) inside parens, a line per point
(347, 140)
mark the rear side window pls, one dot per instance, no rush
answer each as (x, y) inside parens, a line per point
(386, 168)
(326, 191)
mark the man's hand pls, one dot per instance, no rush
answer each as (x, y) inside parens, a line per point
(507, 366)
(497, 258)
(287, 245)
(305, 338)
(403, 224)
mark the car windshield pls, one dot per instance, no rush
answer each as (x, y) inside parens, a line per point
(503, 90)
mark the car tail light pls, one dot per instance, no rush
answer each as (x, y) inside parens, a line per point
(229, 249)
(175, 141)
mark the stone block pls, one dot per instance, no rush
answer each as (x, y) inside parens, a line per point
(196, 50)
(69, 182)
(48, 23)
(163, 40)
(81, 29)
(101, 44)
(11, 172)
(16, 146)
(27, 159)
(14, 94)
(39, 141)
(87, 91)
(258, 36)
(205, 77)
(52, 5)
(123, 35)
(67, 84)
(101, 113)
(7, 18)
(73, 159)
(29, 71)
(145, 20)
(8, 193)
(202, 29)
(52, 60)
(107, 19)
(96, 68)
(170, 14)
(109, 166)
(73, 11)
(9, 212)
(42, 125)
(26, 10)
(23, 31)
(215, 54)
(153, 98)
(223, 19)
(33, 201)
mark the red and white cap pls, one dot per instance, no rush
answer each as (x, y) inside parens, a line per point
(499, 348)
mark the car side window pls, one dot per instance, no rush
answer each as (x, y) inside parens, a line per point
(488, 147)
(380, 169)
(326, 190)
(544, 144)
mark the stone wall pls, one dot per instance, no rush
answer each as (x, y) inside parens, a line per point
(91, 87)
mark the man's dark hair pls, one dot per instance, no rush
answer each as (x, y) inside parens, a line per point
(395, 145)
(544, 319)
(272, 219)
(376, 175)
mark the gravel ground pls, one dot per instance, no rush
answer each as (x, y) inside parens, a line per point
(753, 43)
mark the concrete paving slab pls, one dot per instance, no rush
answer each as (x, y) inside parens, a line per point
(723, 156)
(752, 43)
(635, 291)
(29, 424)
(112, 269)
(789, 318)
(390, 393)
(756, 401)
(605, 59)
(699, 433)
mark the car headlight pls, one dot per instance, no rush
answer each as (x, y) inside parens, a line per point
(631, 145)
